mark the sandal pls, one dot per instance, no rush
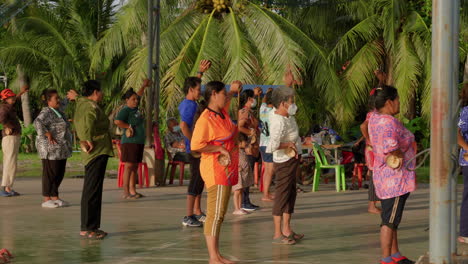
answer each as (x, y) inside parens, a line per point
(94, 235)
(139, 195)
(129, 197)
(296, 237)
(99, 231)
(282, 240)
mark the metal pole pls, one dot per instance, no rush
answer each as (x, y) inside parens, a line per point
(443, 132)
(149, 92)
(454, 176)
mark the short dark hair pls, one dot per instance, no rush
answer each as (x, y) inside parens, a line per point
(464, 95)
(128, 94)
(241, 137)
(191, 82)
(171, 119)
(268, 97)
(47, 94)
(89, 87)
(215, 86)
(244, 97)
(382, 94)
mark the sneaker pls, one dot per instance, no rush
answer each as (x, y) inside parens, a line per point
(4, 193)
(250, 207)
(191, 221)
(201, 217)
(50, 204)
(403, 260)
(255, 206)
(62, 203)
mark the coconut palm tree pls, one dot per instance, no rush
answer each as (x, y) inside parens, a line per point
(362, 36)
(244, 41)
(54, 40)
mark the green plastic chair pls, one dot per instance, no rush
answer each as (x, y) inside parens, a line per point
(322, 163)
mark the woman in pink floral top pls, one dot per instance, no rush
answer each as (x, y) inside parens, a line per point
(389, 138)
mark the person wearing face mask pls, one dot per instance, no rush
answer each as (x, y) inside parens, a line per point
(133, 140)
(265, 109)
(248, 125)
(394, 177)
(92, 128)
(174, 141)
(54, 146)
(285, 144)
(11, 139)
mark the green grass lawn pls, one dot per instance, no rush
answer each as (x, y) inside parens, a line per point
(30, 165)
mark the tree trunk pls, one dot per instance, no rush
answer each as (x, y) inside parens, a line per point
(389, 69)
(465, 72)
(27, 117)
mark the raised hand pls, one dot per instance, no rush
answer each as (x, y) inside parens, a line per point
(235, 86)
(204, 65)
(72, 95)
(146, 83)
(257, 91)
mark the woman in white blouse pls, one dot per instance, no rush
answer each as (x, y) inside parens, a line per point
(285, 144)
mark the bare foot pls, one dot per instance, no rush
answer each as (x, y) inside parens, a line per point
(215, 261)
(240, 212)
(374, 210)
(267, 199)
(226, 261)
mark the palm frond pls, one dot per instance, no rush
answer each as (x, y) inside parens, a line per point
(407, 69)
(240, 57)
(278, 51)
(357, 81)
(181, 67)
(364, 32)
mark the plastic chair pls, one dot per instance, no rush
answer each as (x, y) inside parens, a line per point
(322, 163)
(173, 165)
(357, 173)
(5, 255)
(142, 168)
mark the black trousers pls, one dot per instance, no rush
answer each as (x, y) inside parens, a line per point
(372, 196)
(246, 191)
(196, 184)
(52, 176)
(91, 199)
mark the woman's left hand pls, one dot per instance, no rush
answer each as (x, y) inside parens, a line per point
(50, 138)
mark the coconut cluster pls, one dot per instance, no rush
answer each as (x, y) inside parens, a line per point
(219, 6)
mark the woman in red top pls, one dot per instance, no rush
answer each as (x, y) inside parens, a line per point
(215, 137)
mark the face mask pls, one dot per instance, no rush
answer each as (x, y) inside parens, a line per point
(176, 129)
(292, 109)
(254, 103)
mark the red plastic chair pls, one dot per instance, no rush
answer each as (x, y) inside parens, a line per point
(142, 168)
(173, 165)
(357, 173)
(5, 255)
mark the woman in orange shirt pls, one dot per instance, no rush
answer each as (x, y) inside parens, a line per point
(215, 137)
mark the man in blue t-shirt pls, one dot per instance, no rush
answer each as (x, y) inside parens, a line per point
(188, 109)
